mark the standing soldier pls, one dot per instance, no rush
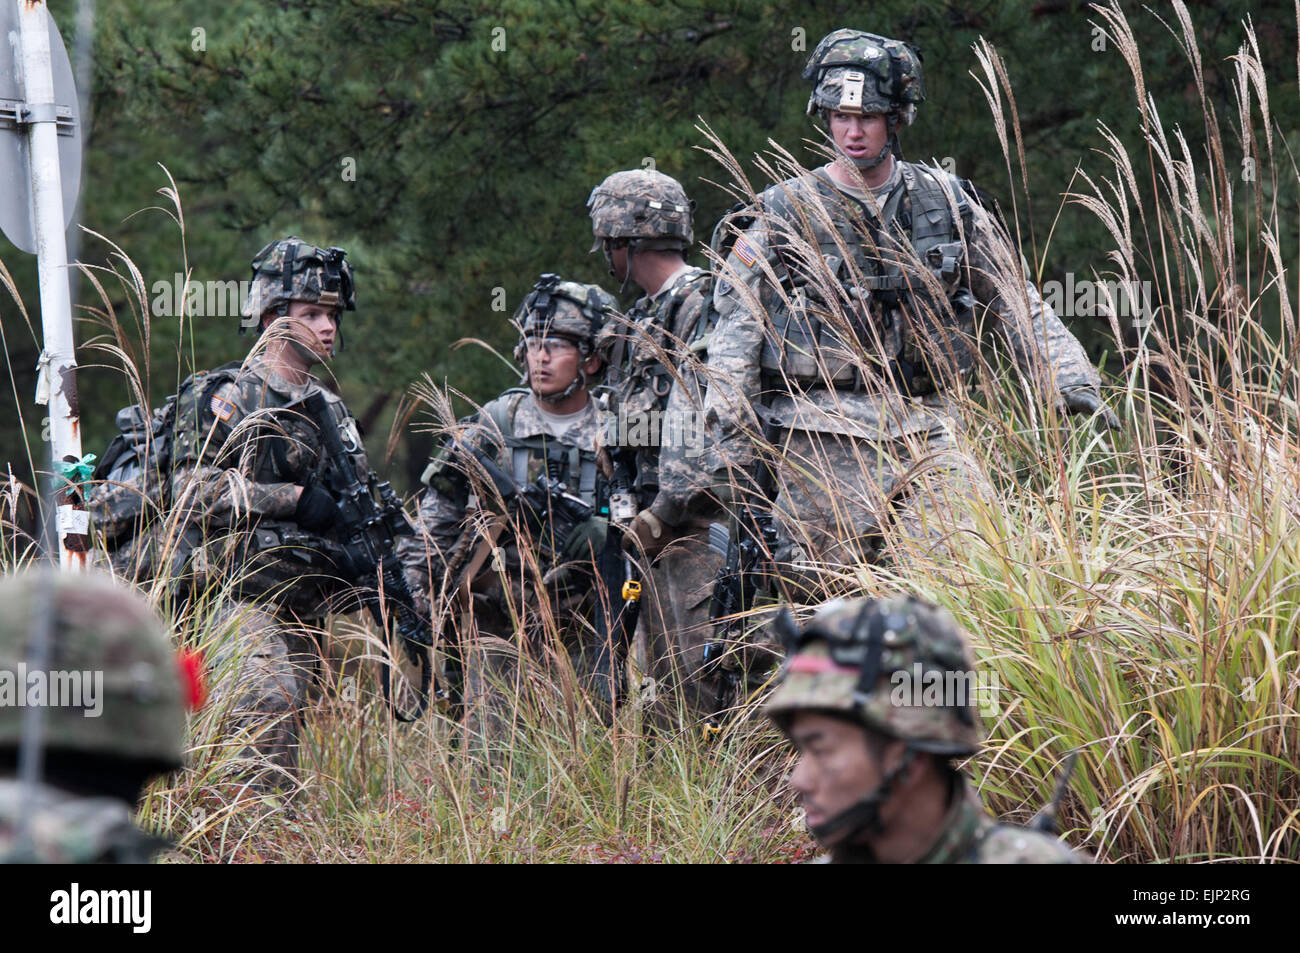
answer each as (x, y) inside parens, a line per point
(848, 317)
(517, 545)
(642, 221)
(248, 516)
(875, 740)
(95, 752)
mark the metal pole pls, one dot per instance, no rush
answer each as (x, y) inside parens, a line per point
(57, 382)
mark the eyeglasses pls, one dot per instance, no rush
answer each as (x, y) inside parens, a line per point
(550, 345)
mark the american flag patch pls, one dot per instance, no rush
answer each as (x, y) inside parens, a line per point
(745, 252)
(222, 409)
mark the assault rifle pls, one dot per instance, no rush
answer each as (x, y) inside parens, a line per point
(548, 510)
(552, 513)
(619, 575)
(367, 531)
(746, 569)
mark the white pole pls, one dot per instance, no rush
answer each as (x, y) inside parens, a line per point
(57, 383)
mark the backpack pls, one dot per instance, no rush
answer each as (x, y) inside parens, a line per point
(132, 481)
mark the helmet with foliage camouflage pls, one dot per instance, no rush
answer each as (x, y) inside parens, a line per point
(898, 665)
(647, 207)
(566, 309)
(862, 73)
(113, 683)
(289, 269)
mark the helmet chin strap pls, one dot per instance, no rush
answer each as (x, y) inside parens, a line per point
(609, 260)
(864, 815)
(563, 395)
(875, 160)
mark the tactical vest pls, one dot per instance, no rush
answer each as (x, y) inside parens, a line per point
(629, 375)
(133, 478)
(572, 466)
(918, 339)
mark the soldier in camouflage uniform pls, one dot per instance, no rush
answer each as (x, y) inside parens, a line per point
(875, 739)
(95, 756)
(522, 586)
(250, 517)
(642, 221)
(850, 312)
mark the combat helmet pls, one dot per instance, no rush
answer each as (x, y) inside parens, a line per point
(862, 73)
(645, 209)
(113, 685)
(565, 309)
(289, 269)
(862, 659)
(899, 666)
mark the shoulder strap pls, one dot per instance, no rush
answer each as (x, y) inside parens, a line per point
(502, 410)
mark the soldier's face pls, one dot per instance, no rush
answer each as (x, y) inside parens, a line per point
(554, 362)
(618, 262)
(859, 137)
(312, 326)
(836, 766)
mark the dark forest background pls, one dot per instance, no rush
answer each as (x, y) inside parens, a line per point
(450, 147)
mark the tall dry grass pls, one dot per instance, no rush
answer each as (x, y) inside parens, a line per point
(1136, 595)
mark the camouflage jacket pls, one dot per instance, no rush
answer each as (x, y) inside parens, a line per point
(459, 502)
(73, 830)
(915, 296)
(971, 835)
(655, 358)
(239, 452)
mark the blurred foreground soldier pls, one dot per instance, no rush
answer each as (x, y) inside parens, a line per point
(247, 515)
(851, 309)
(112, 693)
(642, 221)
(509, 522)
(876, 740)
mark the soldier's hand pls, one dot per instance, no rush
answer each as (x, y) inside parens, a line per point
(316, 508)
(1085, 400)
(646, 532)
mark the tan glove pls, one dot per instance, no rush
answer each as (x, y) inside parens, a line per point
(646, 533)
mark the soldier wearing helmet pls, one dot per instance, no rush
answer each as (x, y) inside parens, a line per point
(642, 220)
(876, 697)
(245, 513)
(848, 306)
(111, 716)
(505, 554)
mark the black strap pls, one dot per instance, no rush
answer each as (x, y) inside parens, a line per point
(286, 276)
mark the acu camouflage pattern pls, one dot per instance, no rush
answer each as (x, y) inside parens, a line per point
(98, 626)
(310, 280)
(808, 330)
(470, 558)
(448, 521)
(893, 77)
(913, 632)
(654, 357)
(641, 204)
(67, 829)
(563, 308)
(649, 352)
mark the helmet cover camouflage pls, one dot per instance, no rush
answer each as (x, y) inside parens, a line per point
(862, 73)
(107, 636)
(644, 205)
(289, 269)
(558, 308)
(863, 656)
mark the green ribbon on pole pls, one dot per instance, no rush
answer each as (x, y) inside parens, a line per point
(78, 474)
